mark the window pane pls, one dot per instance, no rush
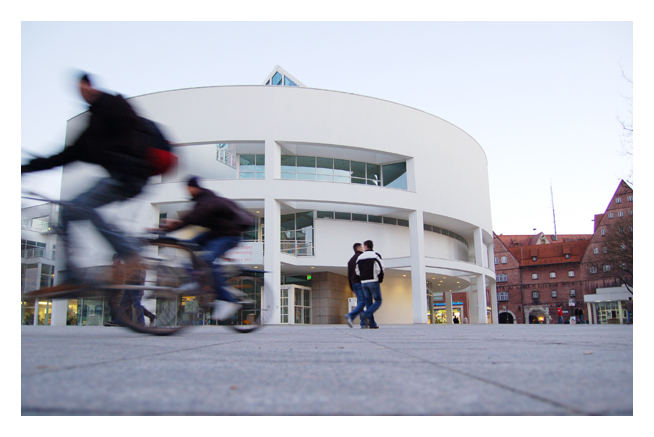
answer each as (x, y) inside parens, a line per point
(325, 166)
(324, 177)
(289, 175)
(277, 78)
(395, 175)
(375, 218)
(325, 214)
(304, 219)
(359, 217)
(404, 223)
(345, 179)
(342, 168)
(373, 173)
(358, 181)
(260, 160)
(306, 164)
(288, 161)
(358, 169)
(306, 177)
(289, 82)
(343, 215)
(390, 220)
(246, 160)
(288, 222)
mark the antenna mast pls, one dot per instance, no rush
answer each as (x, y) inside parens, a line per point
(553, 213)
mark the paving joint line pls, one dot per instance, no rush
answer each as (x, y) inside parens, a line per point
(479, 378)
(100, 363)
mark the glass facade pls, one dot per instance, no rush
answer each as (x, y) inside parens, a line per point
(297, 233)
(251, 166)
(311, 168)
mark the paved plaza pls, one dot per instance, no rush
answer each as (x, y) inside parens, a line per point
(330, 370)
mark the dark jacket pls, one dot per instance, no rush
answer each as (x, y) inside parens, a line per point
(110, 140)
(351, 273)
(222, 216)
(369, 267)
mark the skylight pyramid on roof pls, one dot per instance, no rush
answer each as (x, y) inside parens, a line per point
(280, 77)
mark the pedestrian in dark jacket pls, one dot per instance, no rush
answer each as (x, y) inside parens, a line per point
(370, 269)
(355, 285)
(225, 221)
(109, 140)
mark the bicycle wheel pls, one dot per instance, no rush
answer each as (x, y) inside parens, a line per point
(247, 285)
(176, 279)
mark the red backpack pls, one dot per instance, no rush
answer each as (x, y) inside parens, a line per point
(159, 151)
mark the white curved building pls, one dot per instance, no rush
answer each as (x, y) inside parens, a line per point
(322, 170)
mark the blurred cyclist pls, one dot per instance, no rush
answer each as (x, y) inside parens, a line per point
(226, 221)
(110, 141)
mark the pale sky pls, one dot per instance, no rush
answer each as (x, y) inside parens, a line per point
(543, 99)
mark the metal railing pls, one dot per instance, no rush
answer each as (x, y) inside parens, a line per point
(297, 248)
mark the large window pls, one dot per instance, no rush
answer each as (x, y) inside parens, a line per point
(341, 170)
(502, 296)
(297, 233)
(251, 166)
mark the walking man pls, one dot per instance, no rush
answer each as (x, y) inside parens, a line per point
(370, 270)
(355, 285)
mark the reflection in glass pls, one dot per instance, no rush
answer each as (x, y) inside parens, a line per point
(277, 78)
(358, 169)
(395, 175)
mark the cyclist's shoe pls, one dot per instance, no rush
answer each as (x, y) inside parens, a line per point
(223, 310)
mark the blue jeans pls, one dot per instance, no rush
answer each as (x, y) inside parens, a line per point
(133, 298)
(83, 207)
(374, 292)
(363, 299)
(213, 248)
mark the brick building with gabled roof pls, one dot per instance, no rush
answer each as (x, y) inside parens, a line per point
(537, 274)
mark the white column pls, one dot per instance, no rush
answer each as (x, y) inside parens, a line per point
(448, 307)
(418, 271)
(620, 311)
(272, 264)
(480, 252)
(493, 297)
(481, 300)
(589, 313)
(273, 152)
(272, 245)
(59, 312)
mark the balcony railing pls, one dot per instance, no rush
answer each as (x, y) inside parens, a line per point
(36, 252)
(297, 248)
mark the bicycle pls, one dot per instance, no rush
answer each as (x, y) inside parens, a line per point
(177, 278)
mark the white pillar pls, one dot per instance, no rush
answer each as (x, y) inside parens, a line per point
(620, 311)
(271, 263)
(273, 160)
(418, 271)
(272, 245)
(59, 312)
(480, 314)
(493, 297)
(448, 307)
(589, 313)
(480, 253)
